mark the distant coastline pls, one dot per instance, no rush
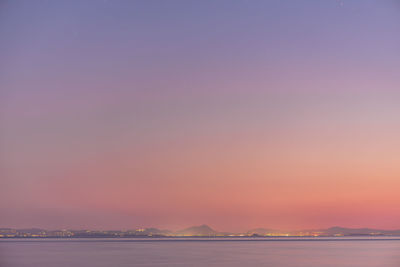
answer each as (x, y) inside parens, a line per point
(195, 231)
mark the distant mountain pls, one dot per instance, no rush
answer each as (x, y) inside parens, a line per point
(358, 231)
(202, 230)
(261, 231)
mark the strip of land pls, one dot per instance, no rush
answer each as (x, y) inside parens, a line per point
(194, 231)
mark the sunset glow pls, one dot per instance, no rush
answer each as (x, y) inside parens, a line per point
(235, 114)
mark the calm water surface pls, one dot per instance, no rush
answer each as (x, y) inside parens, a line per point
(200, 252)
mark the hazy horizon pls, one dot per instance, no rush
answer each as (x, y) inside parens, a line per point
(200, 225)
(238, 114)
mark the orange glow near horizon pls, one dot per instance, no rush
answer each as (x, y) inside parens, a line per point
(122, 115)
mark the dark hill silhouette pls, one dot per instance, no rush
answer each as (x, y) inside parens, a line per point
(202, 230)
(357, 231)
(261, 231)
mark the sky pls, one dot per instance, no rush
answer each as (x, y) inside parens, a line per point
(237, 114)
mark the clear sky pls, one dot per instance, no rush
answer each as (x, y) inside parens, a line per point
(238, 114)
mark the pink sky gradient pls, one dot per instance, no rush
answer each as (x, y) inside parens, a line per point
(119, 115)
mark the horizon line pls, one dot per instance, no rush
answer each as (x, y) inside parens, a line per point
(202, 225)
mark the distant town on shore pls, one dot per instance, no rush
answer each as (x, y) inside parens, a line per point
(195, 231)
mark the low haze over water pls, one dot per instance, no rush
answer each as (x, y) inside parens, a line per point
(317, 252)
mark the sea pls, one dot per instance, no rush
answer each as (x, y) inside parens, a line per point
(280, 252)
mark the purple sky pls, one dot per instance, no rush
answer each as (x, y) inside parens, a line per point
(239, 114)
